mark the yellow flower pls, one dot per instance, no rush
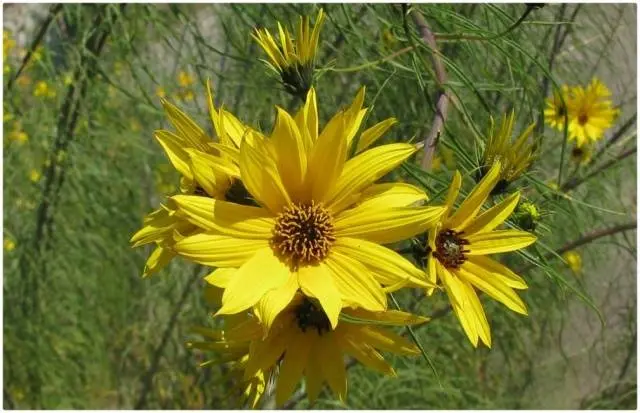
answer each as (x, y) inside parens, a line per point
(458, 246)
(556, 111)
(515, 157)
(307, 346)
(23, 80)
(573, 261)
(216, 175)
(186, 95)
(591, 113)
(582, 154)
(160, 92)
(8, 43)
(67, 79)
(9, 244)
(17, 134)
(527, 215)
(293, 59)
(34, 175)
(43, 89)
(317, 227)
(185, 79)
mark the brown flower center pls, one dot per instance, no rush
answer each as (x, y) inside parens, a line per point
(450, 248)
(583, 119)
(303, 234)
(561, 110)
(308, 315)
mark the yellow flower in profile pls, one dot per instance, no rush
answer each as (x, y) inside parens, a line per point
(581, 155)
(185, 79)
(34, 175)
(514, 156)
(317, 227)
(302, 343)
(556, 112)
(591, 113)
(293, 58)
(458, 246)
(43, 89)
(9, 244)
(208, 169)
(573, 261)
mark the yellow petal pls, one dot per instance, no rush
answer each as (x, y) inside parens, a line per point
(192, 134)
(371, 135)
(158, 224)
(294, 363)
(261, 274)
(493, 217)
(260, 175)
(471, 205)
(264, 354)
(218, 250)
(476, 313)
(460, 303)
(157, 260)
(226, 218)
(393, 195)
(499, 271)
(452, 194)
(233, 128)
(388, 267)
(220, 277)
(389, 317)
(328, 159)
(385, 225)
(363, 170)
(367, 356)
(432, 274)
(174, 148)
(313, 374)
(355, 283)
(291, 152)
(386, 340)
(332, 365)
(317, 282)
(492, 286)
(499, 241)
(274, 301)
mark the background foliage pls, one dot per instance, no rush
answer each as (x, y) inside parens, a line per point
(82, 329)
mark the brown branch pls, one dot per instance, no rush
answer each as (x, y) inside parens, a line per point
(575, 182)
(442, 102)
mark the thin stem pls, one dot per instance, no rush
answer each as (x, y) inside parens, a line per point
(573, 183)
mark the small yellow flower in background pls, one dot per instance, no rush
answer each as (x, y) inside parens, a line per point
(61, 156)
(556, 111)
(7, 116)
(293, 58)
(388, 39)
(23, 80)
(185, 79)
(9, 244)
(527, 215)
(17, 134)
(514, 156)
(458, 246)
(160, 92)
(581, 155)
(8, 43)
(43, 89)
(34, 175)
(573, 261)
(186, 95)
(67, 79)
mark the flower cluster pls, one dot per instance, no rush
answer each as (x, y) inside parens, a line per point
(297, 230)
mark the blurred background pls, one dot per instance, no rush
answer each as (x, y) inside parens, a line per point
(82, 87)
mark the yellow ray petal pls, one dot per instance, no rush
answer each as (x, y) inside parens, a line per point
(385, 225)
(493, 217)
(317, 282)
(332, 365)
(371, 135)
(499, 241)
(389, 317)
(294, 363)
(220, 277)
(452, 194)
(492, 286)
(157, 260)
(262, 273)
(457, 294)
(260, 175)
(355, 283)
(364, 170)
(387, 266)
(385, 340)
(471, 205)
(224, 217)
(192, 134)
(174, 148)
(264, 354)
(367, 356)
(393, 195)
(292, 155)
(476, 313)
(157, 225)
(328, 159)
(500, 271)
(274, 301)
(218, 250)
(314, 377)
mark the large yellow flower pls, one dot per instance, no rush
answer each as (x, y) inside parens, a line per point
(207, 168)
(515, 157)
(293, 59)
(302, 342)
(320, 221)
(458, 246)
(591, 113)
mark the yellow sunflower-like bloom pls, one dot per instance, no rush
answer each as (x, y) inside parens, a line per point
(458, 246)
(556, 111)
(582, 155)
(293, 59)
(515, 157)
(573, 261)
(592, 113)
(208, 168)
(302, 343)
(320, 220)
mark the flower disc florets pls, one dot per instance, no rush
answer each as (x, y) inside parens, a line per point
(450, 248)
(310, 316)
